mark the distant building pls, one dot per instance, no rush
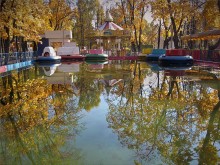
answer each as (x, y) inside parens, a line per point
(57, 38)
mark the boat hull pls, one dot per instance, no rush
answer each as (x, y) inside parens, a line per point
(48, 59)
(175, 61)
(153, 57)
(72, 57)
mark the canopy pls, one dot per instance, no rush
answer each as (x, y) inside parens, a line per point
(210, 34)
(109, 26)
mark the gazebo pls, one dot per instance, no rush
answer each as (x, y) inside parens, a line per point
(109, 36)
(109, 24)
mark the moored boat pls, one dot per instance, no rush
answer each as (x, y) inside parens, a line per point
(175, 61)
(96, 55)
(70, 53)
(156, 53)
(176, 58)
(48, 55)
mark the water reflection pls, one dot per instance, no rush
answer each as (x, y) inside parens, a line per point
(34, 122)
(158, 115)
(177, 118)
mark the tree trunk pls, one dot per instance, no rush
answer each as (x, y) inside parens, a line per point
(158, 41)
(24, 45)
(7, 41)
(219, 5)
(176, 41)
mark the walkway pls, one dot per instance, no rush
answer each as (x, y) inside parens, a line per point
(15, 57)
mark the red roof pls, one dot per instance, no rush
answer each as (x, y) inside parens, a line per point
(109, 26)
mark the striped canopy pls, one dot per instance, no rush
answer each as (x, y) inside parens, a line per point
(109, 26)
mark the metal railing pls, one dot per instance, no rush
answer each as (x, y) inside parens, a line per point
(206, 55)
(16, 57)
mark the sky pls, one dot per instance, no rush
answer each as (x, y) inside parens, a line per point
(107, 4)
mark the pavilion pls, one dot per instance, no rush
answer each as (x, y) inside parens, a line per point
(110, 37)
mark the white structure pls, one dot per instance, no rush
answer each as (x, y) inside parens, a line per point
(68, 49)
(51, 52)
(59, 36)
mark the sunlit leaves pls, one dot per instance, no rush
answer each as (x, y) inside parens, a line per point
(211, 15)
(61, 15)
(23, 20)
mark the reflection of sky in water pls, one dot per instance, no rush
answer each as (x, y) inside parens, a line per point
(98, 143)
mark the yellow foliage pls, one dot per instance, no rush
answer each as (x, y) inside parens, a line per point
(24, 18)
(61, 15)
(211, 15)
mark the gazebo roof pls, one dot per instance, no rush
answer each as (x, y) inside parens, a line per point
(109, 24)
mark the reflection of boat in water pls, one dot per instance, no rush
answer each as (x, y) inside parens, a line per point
(169, 71)
(175, 72)
(49, 70)
(47, 64)
(48, 55)
(96, 65)
(97, 62)
(69, 67)
(154, 66)
(63, 75)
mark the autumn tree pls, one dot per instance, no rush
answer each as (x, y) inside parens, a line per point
(210, 20)
(61, 15)
(20, 22)
(173, 14)
(131, 16)
(89, 15)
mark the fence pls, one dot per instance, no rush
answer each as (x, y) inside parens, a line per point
(16, 57)
(206, 55)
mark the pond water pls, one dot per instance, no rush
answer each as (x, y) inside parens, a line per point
(115, 113)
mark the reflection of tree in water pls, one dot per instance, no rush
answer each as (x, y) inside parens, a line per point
(170, 121)
(91, 84)
(90, 91)
(29, 132)
(208, 150)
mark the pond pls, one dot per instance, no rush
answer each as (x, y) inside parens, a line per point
(112, 113)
